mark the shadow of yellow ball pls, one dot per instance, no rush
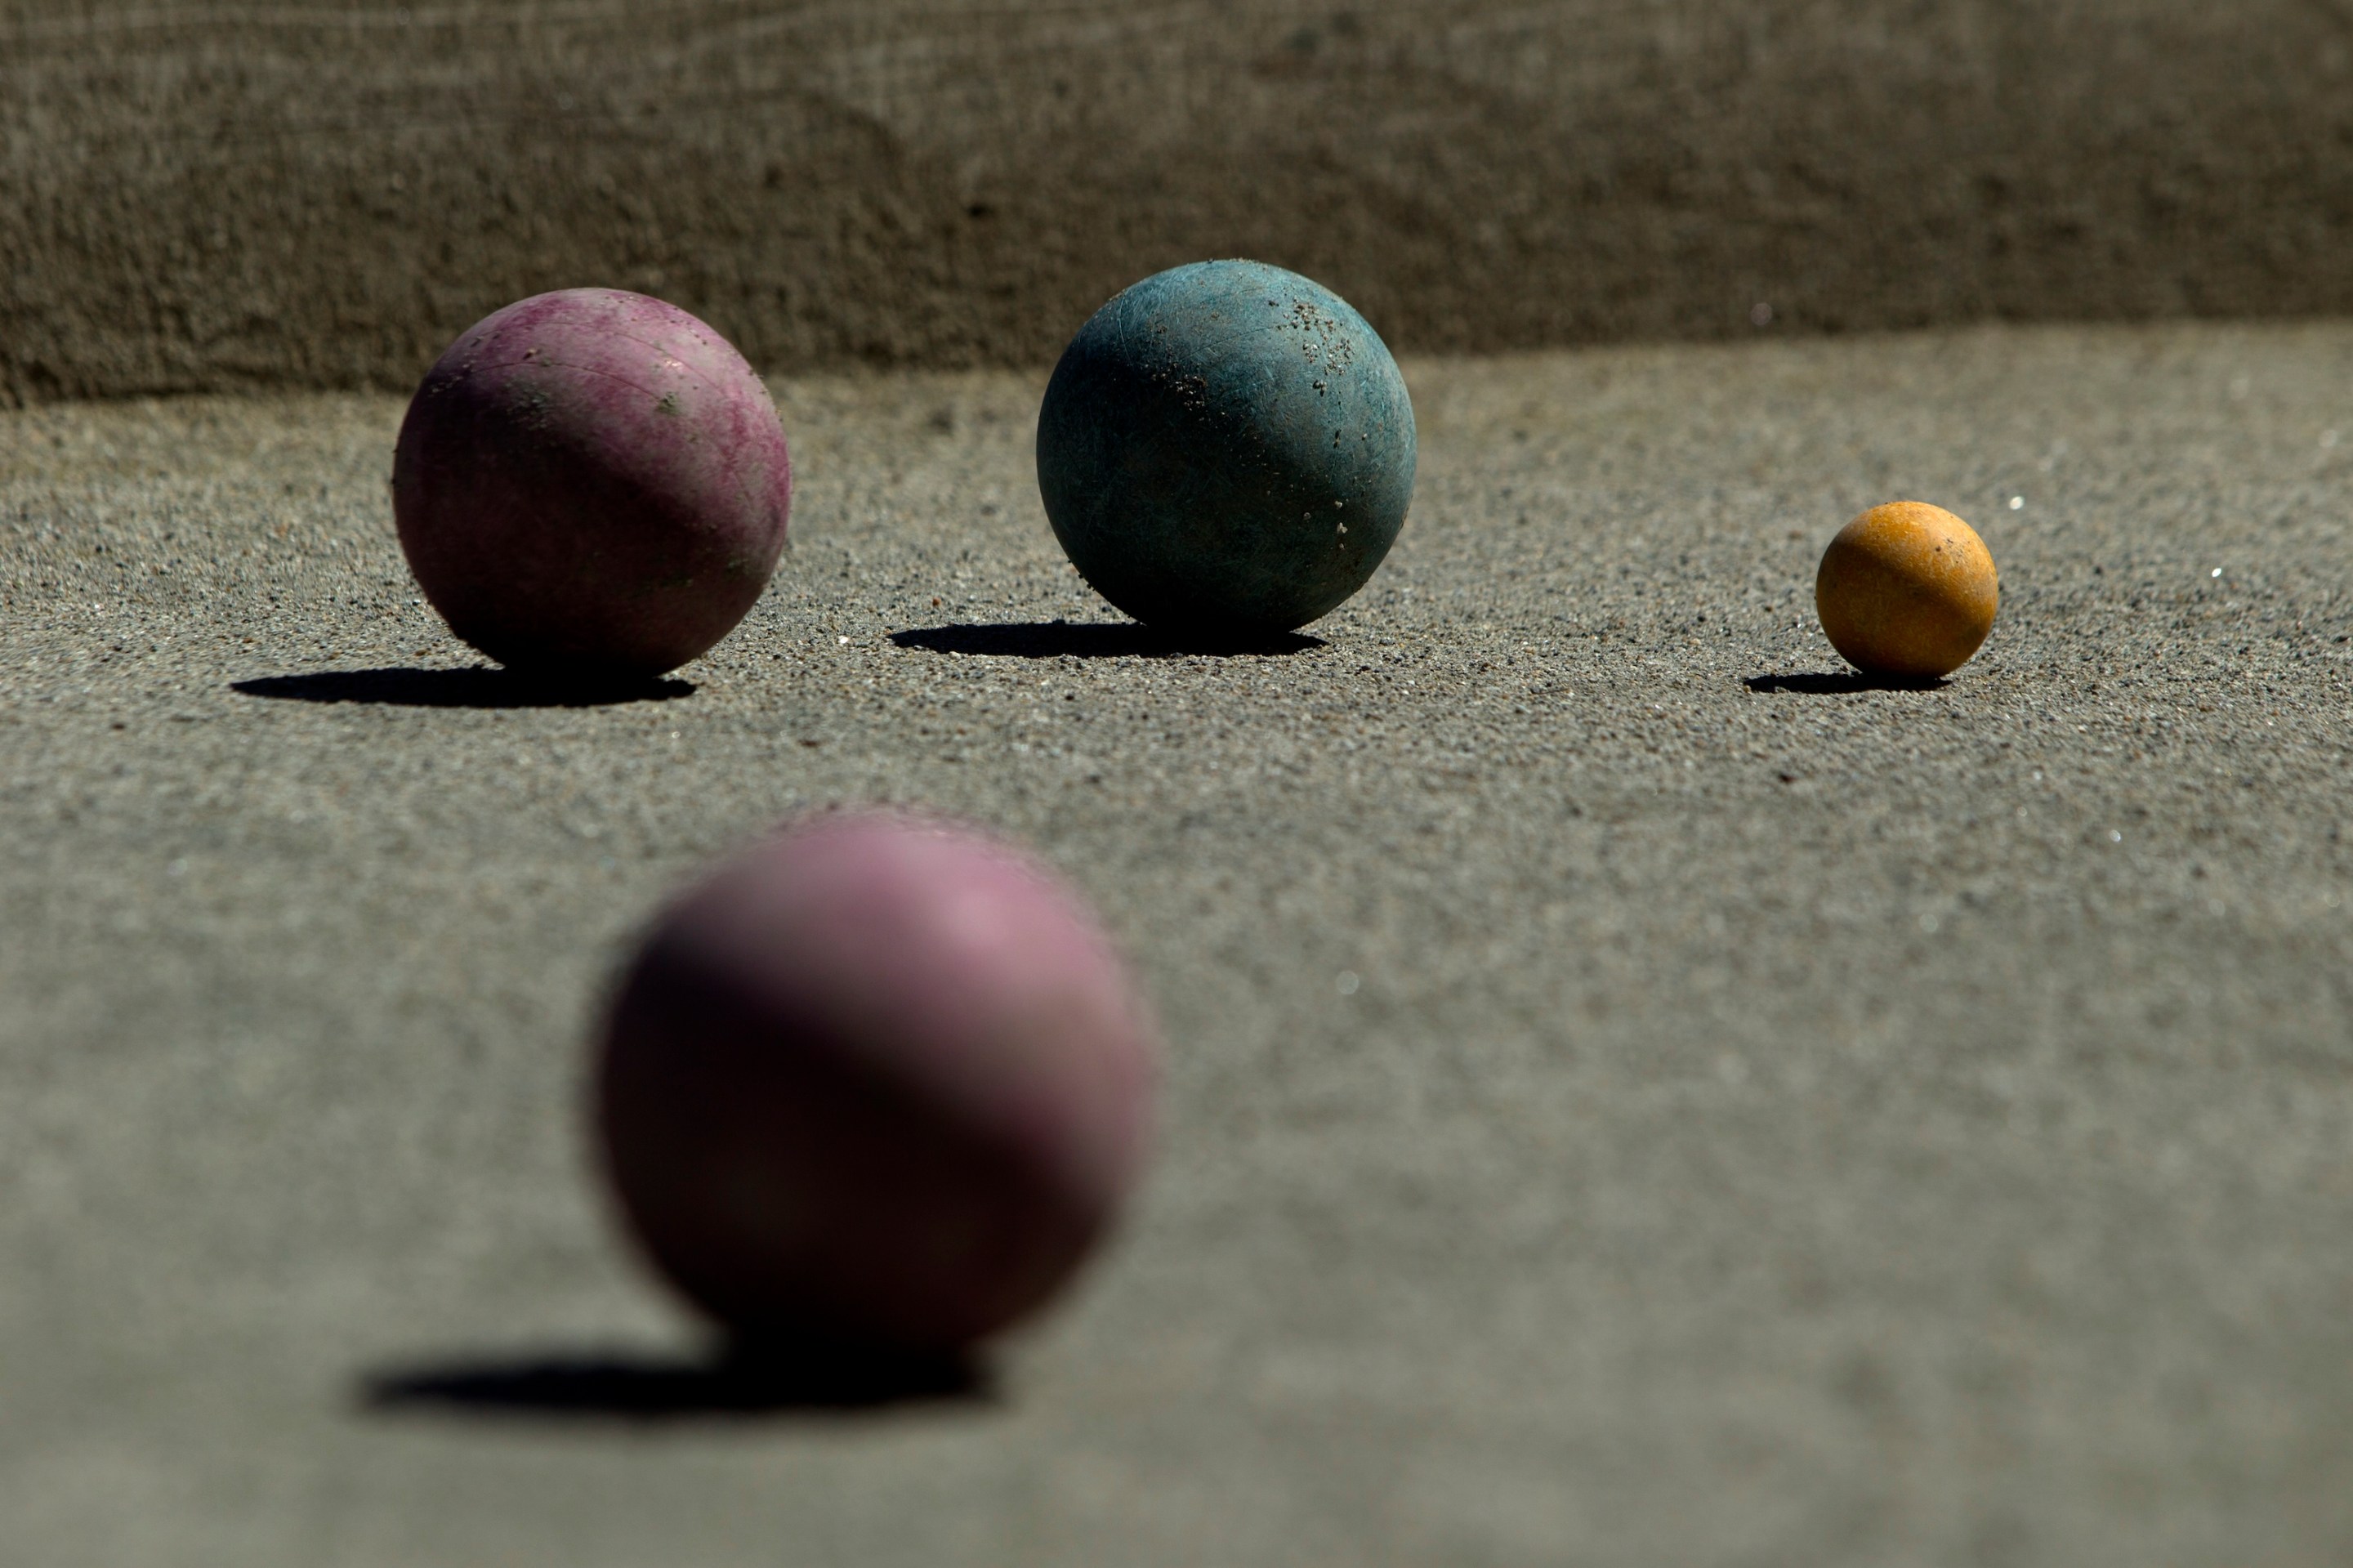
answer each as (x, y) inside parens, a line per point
(1906, 590)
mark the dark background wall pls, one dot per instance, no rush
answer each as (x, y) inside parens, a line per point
(201, 197)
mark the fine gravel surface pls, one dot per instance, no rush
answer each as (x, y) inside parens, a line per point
(1636, 1094)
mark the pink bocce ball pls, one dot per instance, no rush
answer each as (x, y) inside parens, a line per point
(592, 485)
(879, 1080)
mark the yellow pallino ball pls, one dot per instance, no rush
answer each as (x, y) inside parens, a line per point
(1906, 590)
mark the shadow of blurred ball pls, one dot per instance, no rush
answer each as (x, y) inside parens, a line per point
(1906, 590)
(1225, 447)
(592, 485)
(879, 1081)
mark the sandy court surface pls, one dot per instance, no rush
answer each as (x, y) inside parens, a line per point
(1634, 1096)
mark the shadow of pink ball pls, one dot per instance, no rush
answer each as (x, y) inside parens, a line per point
(592, 483)
(877, 1080)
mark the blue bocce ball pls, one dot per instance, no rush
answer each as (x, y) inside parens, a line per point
(1226, 449)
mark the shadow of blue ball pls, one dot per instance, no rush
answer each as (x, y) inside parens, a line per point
(1226, 447)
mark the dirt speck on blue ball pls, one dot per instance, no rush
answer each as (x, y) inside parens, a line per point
(1201, 435)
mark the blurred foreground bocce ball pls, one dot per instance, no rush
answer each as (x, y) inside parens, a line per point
(878, 1081)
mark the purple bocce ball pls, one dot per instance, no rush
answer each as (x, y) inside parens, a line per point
(879, 1081)
(592, 485)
